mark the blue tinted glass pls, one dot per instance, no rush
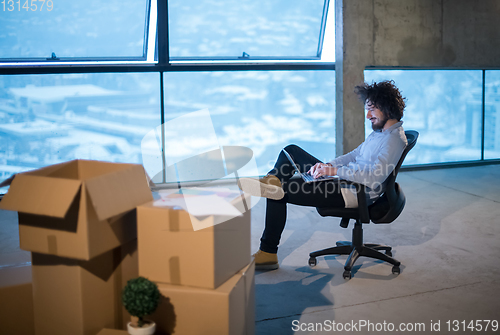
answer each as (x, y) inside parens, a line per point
(492, 115)
(257, 27)
(264, 110)
(48, 119)
(72, 28)
(444, 106)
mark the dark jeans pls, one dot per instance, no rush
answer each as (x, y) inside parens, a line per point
(297, 192)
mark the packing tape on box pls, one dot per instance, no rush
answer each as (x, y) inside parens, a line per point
(52, 244)
(173, 220)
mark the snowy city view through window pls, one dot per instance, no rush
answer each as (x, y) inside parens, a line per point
(47, 119)
(492, 115)
(262, 110)
(76, 28)
(258, 28)
(445, 107)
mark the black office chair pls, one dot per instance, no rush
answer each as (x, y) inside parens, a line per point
(385, 210)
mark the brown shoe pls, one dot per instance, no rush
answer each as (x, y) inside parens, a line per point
(265, 260)
(266, 187)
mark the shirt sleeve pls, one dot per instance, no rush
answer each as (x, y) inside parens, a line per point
(347, 158)
(373, 174)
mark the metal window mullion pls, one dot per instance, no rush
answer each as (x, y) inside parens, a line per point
(162, 120)
(164, 68)
(162, 24)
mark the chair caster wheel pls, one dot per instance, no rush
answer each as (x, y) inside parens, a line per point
(396, 270)
(388, 253)
(347, 275)
(312, 261)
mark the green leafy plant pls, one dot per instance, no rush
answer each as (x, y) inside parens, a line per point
(140, 297)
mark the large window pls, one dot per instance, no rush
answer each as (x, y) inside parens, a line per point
(262, 110)
(246, 29)
(445, 107)
(492, 115)
(48, 119)
(41, 29)
(78, 79)
(51, 31)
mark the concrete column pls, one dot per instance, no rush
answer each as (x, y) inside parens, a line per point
(353, 52)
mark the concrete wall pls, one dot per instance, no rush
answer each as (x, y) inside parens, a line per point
(407, 33)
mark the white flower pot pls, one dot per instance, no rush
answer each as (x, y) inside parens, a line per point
(148, 329)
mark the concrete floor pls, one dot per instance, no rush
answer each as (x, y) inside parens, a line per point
(447, 239)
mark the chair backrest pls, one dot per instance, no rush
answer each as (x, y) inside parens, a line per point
(388, 207)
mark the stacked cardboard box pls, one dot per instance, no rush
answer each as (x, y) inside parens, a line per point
(205, 276)
(79, 221)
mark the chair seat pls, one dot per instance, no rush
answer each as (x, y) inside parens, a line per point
(380, 211)
(351, 213)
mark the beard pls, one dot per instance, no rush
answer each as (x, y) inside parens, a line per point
(377, 126)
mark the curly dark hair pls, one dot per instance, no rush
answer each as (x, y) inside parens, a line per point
(385, 96)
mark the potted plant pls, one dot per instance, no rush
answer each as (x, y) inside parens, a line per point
(140, 297)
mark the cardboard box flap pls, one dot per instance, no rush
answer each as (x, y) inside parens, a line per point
(60, 170)
(40, 195)
(118, 192)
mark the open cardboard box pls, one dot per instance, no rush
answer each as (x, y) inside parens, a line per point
(82, 297)
(227, 310)
(78, 209)
(172, 252)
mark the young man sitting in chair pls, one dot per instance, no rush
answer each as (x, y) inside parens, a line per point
(369, 164)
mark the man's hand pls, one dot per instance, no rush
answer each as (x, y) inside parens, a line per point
(321, 169)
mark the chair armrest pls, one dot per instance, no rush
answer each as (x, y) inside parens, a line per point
(364, 215)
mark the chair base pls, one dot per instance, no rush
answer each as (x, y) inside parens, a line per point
(357, 249)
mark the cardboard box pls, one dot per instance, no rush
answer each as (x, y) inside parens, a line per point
(229, 309)
(172, 252)
(81, 297)
(16, 300)
(78, 209)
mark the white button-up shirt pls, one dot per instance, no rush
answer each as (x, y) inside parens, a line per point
(371, 163)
